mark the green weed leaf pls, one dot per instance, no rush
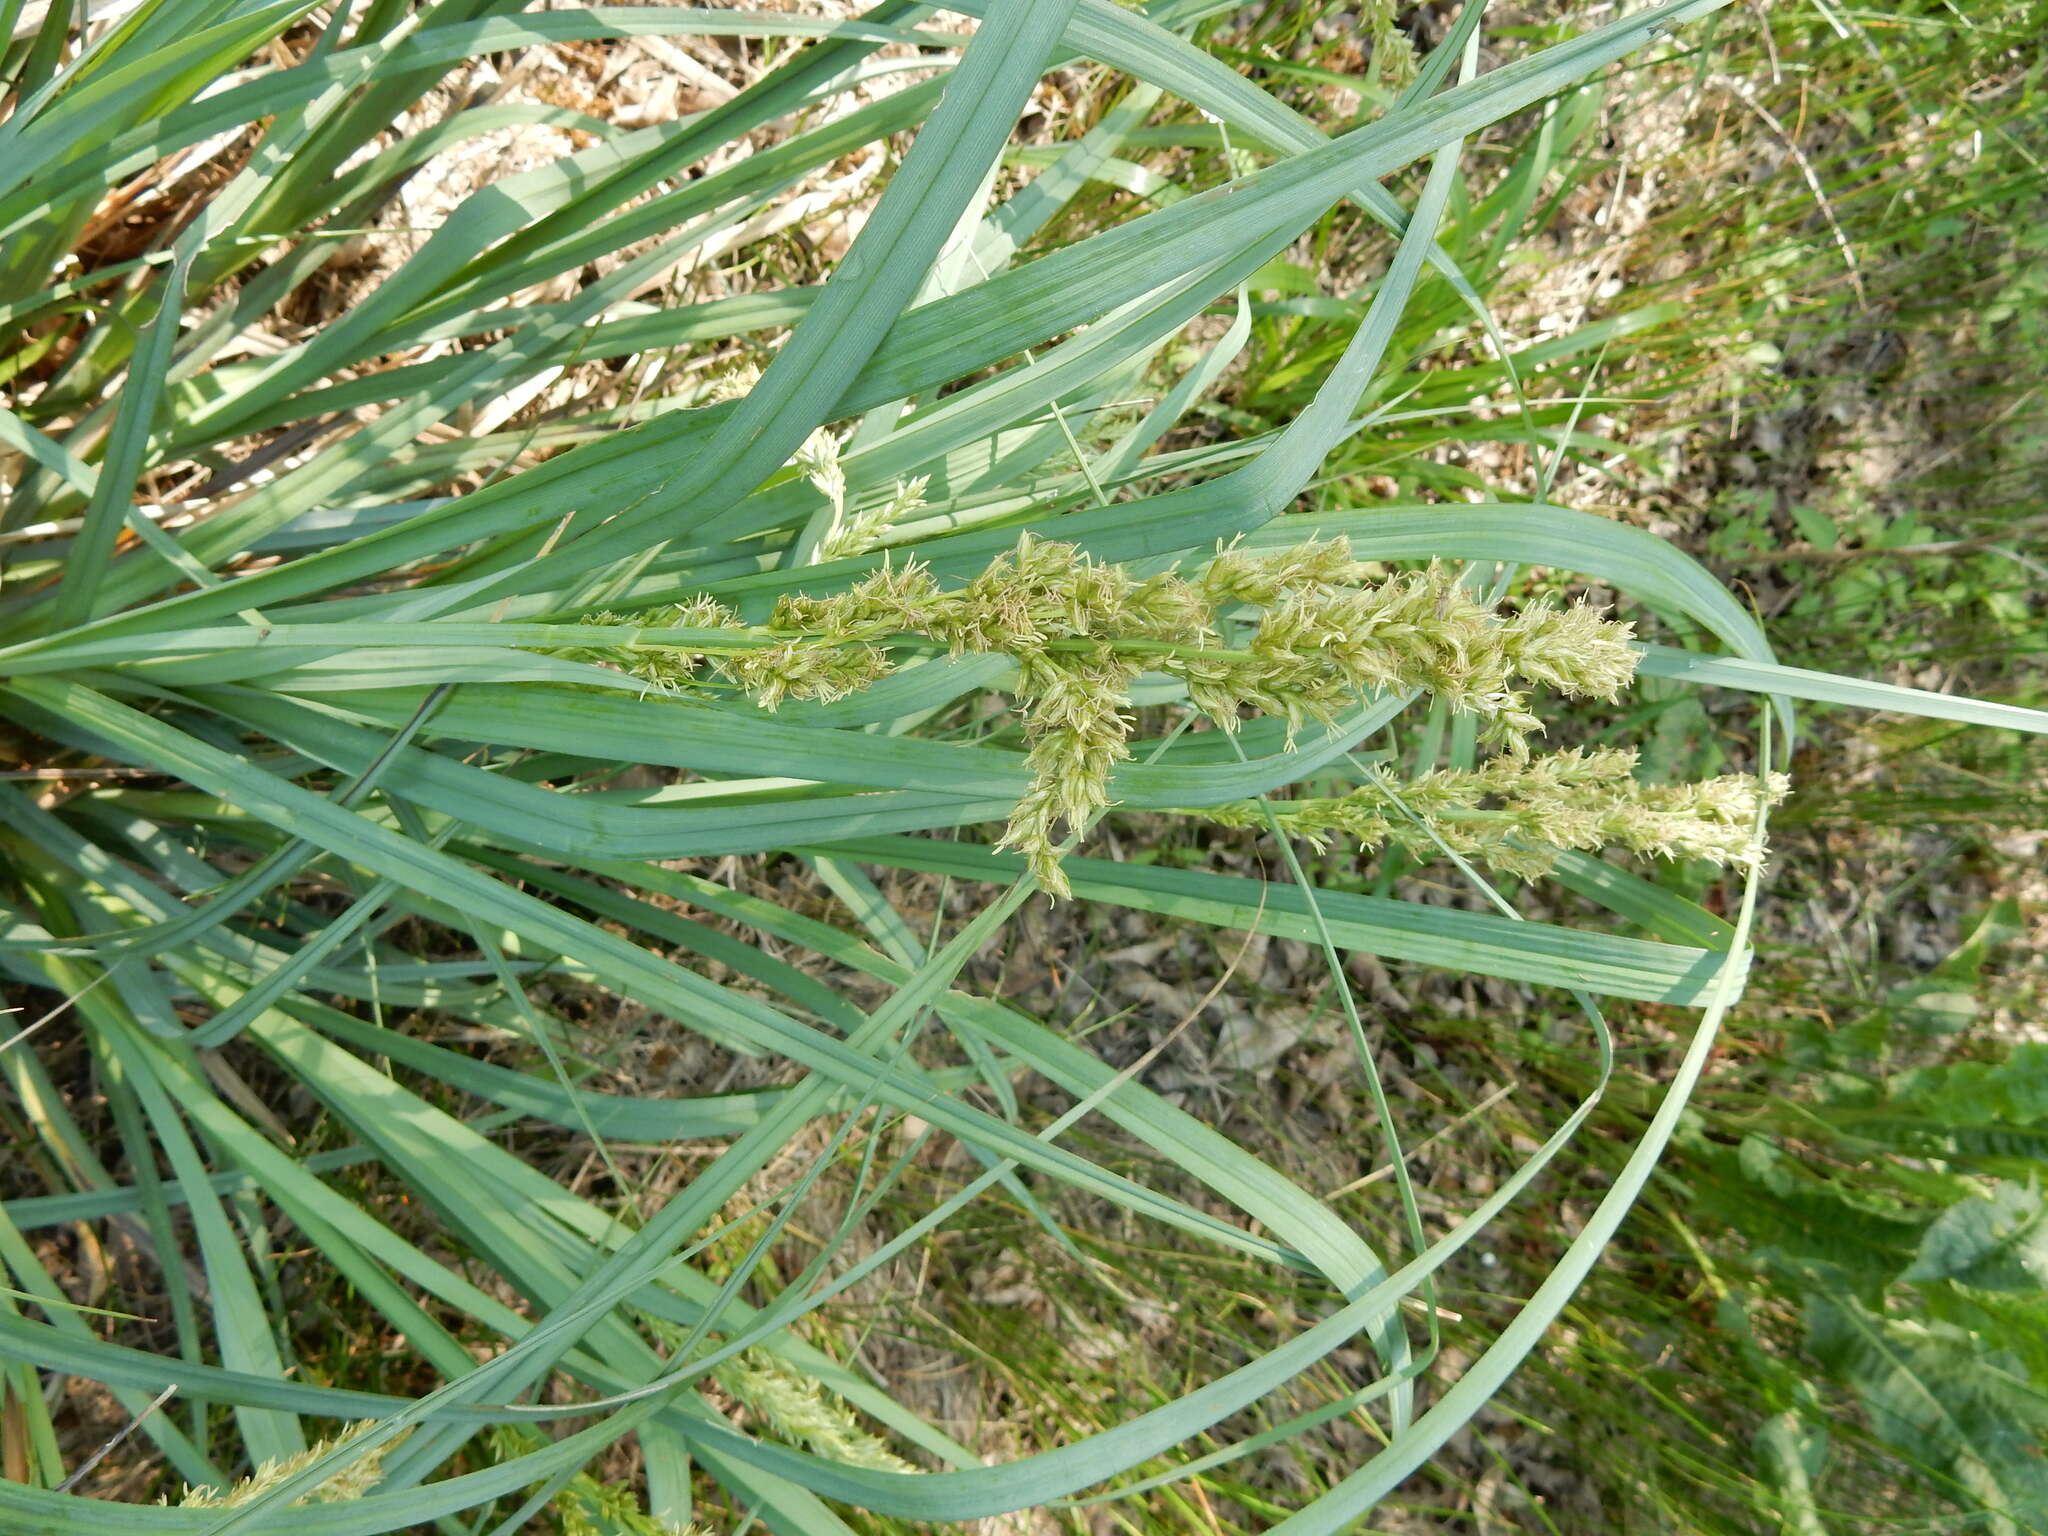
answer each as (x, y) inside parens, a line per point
(1998, 1242)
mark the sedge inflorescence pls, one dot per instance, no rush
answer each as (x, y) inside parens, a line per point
(849, 530)
(349, 1483)
(1516, 813)
(585, 1505)
(793, 1407)
(797, 1409)
(1299, 634)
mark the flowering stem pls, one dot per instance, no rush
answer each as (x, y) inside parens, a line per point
(722, 642)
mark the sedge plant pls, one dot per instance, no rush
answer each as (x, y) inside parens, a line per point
(322, 706)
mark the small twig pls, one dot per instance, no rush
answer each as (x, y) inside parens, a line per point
(1741, 91)
(172, 516)
(700, 77)
(55, 1013)
(132, 1425)
(1818, 556)
(285, 443)
(2012, 409)
(103, 772)
(1386, 1170)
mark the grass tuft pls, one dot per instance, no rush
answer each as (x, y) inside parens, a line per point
(431, 653)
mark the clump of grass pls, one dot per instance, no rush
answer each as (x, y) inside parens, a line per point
(319, 795)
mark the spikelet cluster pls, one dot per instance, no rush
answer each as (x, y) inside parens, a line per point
(1298, 634)
(1516, 813)
(1327, 632)
(587, 1506)
(344, 1486)
(1062, 618)
(770, 668)
(818, 461)
(861, 531)
(792, 1406)
(1392, 53)
(796, 1408)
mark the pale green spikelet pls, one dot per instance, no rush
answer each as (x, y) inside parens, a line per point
(892, 599)
(818, 460)
(670, 668)
(797, 1409)
(1393, 55)
(1075, 702)
(1037, 596)
(803, 669)
(586, 1506)
(794, 1407)
(1710, 820)
(1263, 578)
(700, 613)
(787, 668)
(1323, 639)
(1516, 813)
(1573, 650)
(345, 1485)
(1076, 723)
(734, 383)
(1043, 591)
(858, 534)
(1318, 646)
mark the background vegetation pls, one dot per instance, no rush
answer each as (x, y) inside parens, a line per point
(617, 1104)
